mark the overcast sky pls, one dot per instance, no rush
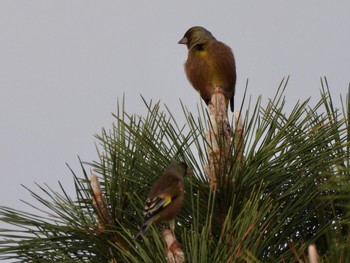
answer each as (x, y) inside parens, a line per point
(64, 64)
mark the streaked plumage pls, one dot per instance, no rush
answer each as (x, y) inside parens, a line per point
(210, 63)
(166, 197)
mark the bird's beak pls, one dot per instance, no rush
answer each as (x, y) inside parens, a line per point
(183, 41)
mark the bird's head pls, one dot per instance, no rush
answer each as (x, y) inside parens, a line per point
(179, 168)
(196, 35)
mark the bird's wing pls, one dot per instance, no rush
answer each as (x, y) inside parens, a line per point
(157, 204)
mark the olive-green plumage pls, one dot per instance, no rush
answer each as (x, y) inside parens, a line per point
(166, 197)
(210, 64)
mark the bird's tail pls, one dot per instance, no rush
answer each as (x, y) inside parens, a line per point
(143, 230)
(232, 105)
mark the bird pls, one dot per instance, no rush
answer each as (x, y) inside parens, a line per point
(210, 64)
(165, 198)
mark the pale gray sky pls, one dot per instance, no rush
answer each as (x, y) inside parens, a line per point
(63, 64)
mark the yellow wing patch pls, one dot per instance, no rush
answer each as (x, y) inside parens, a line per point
(167, 201)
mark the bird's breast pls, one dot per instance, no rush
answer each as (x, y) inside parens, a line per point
(201, 53)
(213, 66)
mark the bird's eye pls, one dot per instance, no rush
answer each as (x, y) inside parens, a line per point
(199, 47)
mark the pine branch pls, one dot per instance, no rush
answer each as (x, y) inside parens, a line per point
(281, 184)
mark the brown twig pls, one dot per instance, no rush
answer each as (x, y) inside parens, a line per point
(173, 252)
(294, 251)
(100, 204)
(218, 137)
(313, 255)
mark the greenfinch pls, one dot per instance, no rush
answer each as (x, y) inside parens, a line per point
(166, 197)
(210, 64)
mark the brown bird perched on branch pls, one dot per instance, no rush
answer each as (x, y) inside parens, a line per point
(210, 64)
(166, 197)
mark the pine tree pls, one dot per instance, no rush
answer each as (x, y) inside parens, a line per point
(281, 189)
